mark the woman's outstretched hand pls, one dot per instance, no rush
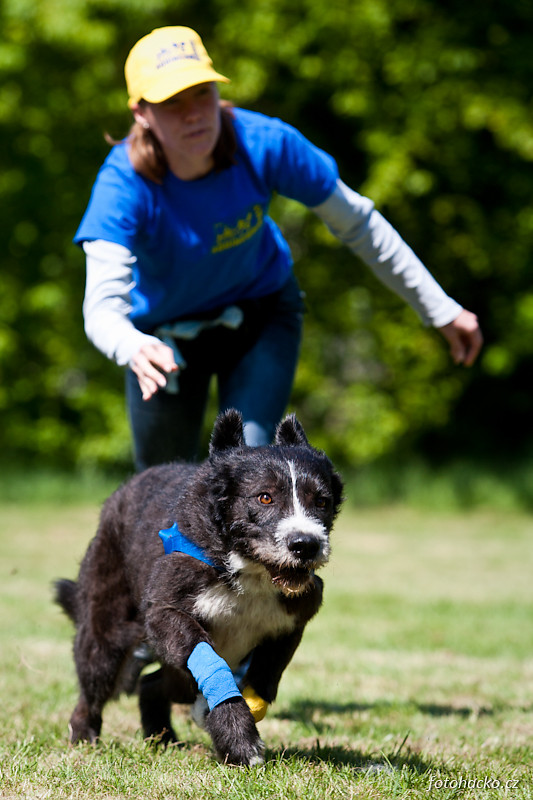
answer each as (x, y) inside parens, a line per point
(151, 364)
(464, 337)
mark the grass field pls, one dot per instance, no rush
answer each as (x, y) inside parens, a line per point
(414, 681)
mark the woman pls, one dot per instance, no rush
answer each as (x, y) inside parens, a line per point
(187, 275)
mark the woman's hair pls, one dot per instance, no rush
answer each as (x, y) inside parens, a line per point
(149, 160)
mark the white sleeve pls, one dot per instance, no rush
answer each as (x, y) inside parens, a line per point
(353, 219)
(107, 304)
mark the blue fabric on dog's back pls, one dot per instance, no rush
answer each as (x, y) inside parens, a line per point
(174, 541)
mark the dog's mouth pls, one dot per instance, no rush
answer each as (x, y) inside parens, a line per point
(291, 581)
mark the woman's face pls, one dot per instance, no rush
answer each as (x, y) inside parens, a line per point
(187, 126)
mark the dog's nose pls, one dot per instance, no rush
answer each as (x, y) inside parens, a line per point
(304, 546)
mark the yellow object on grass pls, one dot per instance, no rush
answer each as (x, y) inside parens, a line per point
(256, 704)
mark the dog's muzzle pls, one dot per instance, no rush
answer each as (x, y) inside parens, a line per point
(305, 554)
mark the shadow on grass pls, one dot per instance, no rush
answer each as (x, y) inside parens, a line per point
(315, 715)
(342, 756)
(466, 712)
(310, 711)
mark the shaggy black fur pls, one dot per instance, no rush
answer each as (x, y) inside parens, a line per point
(264, 515)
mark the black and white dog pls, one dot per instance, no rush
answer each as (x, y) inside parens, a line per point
(213, 566)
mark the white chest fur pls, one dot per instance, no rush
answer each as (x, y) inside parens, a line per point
(240, 616)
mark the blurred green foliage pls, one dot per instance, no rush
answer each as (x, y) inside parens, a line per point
(427, 108)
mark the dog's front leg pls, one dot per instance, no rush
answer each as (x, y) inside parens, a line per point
(180, 641)
(271, 657)
(234, 733)
(269, 660)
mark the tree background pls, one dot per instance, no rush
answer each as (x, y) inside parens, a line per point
(426, 106)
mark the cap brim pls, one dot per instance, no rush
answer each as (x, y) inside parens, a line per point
(177, 82)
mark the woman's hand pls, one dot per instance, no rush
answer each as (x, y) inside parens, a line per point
(150, 364)
(464, 337)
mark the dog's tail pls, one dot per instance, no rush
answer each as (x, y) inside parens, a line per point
(66, 595)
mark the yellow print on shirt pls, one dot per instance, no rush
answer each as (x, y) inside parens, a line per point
(227, 236)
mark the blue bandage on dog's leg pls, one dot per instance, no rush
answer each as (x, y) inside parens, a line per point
(213, 676)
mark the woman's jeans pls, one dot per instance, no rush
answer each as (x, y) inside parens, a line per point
(254, 366)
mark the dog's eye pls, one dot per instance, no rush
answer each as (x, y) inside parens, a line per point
(265, 499)
(321, 502)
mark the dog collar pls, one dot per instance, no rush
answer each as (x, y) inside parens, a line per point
(174, 541)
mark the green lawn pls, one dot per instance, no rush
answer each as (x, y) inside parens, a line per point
(414, 681)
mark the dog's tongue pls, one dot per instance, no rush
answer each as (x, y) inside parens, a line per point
(291, 581)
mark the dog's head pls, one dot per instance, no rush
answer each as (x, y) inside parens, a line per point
(276, 504)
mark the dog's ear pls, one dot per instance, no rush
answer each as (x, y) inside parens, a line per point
(290, 432)
(227, 432)
(337, 486)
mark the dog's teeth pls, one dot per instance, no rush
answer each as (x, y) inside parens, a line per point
(290, 585)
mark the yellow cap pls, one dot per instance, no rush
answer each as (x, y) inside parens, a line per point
(166, 62)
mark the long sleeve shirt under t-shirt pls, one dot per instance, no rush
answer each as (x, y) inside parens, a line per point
(160, 252)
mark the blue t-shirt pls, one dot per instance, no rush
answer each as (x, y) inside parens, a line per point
(209, 242)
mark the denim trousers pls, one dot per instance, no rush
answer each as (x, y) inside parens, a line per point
(254, 366)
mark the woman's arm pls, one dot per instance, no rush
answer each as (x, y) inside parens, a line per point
(353, 219)
(106, 309)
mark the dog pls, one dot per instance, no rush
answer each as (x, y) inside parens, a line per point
(211, 565)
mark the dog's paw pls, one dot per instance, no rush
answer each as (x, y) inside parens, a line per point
(78, 733)
(234, 734)
(84, 725)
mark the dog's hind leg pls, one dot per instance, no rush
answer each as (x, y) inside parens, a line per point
(85, 723)
(155, 709)
(99, 665)
(157, 691)
(99, 661)
(107, 628)
(92, 665)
